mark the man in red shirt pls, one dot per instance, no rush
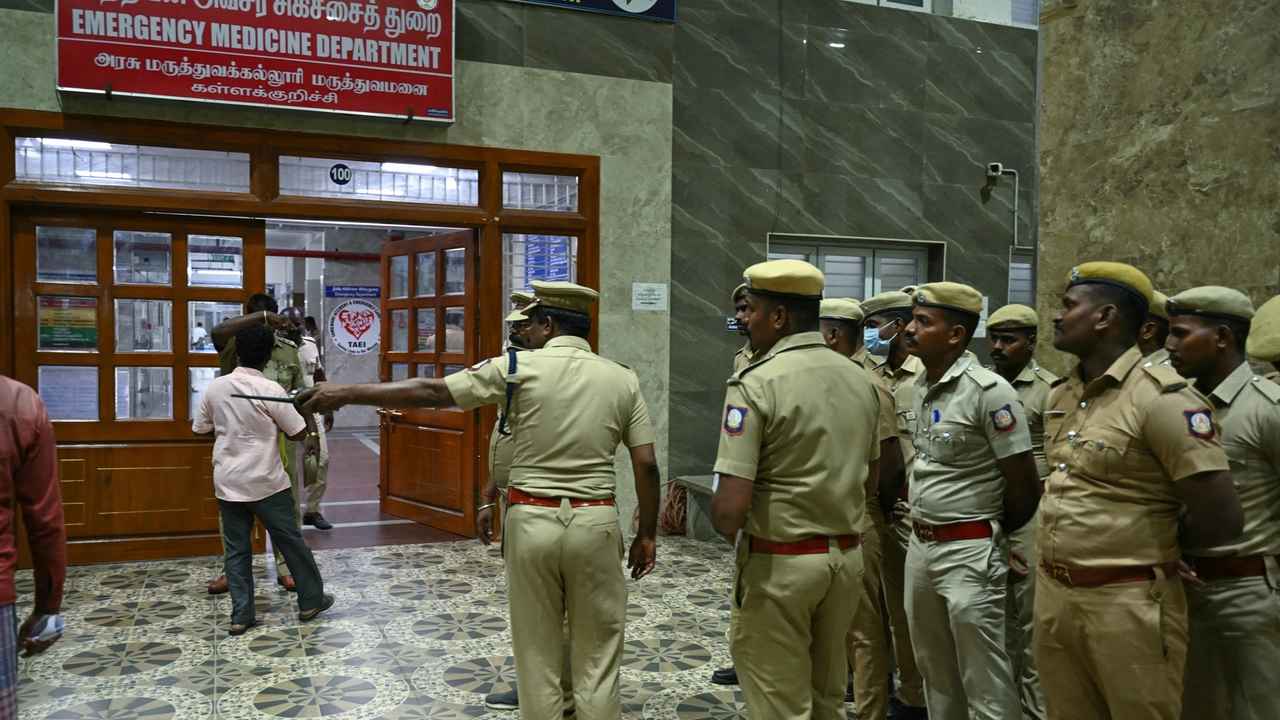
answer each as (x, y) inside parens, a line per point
(29, 480)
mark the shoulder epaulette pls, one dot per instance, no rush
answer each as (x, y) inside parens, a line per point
(985, 378)
(286, 341)
(1058, 382)
(615, 362)
(1268, 388)
(1165, 375)
(1045, 375)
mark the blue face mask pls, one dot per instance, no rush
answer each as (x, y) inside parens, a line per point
(875, 344)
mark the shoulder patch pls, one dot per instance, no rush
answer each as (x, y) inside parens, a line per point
(1166, 376)
(1200, 424)
(479, 365)
(735, 419)
(1269, 389)
(1003, 419)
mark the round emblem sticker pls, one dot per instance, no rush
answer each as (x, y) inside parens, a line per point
(735, 419)
(635, 6)
(428, 4)
(355, 327)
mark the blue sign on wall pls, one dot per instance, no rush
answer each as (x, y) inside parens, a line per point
(352, 291)
(664, 10)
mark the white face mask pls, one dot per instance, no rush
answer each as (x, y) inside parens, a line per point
(875, 344)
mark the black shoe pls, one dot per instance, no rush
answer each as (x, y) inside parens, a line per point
(317, 521)
(848, 694)
(900, 711)
(508, 700)
(893, 687)
(725, 676)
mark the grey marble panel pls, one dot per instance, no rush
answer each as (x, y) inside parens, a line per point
(975, 218)
(757, 10)
(598, 44)
(795, 64)
(695, 425)
(870, 207)
(741, 129)
(970, 34)
(957, 149)
(862, 141)
(489, 31)
(857, 17)
(724, 50)
(865, 69)
(984, 83)
(40, 6)
(988, 273)
(703, 350)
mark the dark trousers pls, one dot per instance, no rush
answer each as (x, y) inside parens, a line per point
(276, 512)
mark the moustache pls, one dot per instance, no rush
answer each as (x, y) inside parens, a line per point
(997, 356)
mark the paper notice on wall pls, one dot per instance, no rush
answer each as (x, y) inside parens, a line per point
(981, 332)
(69, 392)
(648, 296)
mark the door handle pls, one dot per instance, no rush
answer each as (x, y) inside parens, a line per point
(389, 413)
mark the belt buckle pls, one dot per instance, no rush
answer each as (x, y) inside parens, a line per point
(1062, 574)
(925, 532)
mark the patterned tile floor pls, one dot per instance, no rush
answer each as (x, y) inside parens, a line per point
(418, 631)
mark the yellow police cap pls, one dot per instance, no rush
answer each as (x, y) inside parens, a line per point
(738, 292)
(794, 278)
(855, 304)
(563, 295)
(840, 309)
(1213, 301)
(1013, 317)
(1159, 305)
(1264, 334)
(520, 299)
(950, 295)
(910, 289)
(892, 300)
(1112, 273)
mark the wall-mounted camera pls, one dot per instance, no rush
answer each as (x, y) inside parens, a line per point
(995, 170)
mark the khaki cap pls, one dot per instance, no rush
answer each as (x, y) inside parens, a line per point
(1264, 334)
(738, 292)
(950, 295)
(792, 278)
(1013, 317)
(910, 289)
(840, 309)
(892, 300)
(521, 300)
(1120, 275)
(1212, 301)
(1159, 305)
(562, 295)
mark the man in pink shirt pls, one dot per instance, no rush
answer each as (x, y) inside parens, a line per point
(249, 479)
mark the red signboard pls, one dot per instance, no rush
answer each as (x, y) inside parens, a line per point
(380, 57)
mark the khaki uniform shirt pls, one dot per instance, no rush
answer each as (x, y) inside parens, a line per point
(571, 409)
(501, 449)
(867, 360)
(284, 366)
(1115, 448)
(1249, 429)
(1033, 385)
(1273, 376)
(1159, 356)
(745, 358)
(801, 424)
(902, 383)
(964, 424)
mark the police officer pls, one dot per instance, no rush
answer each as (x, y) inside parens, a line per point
(563, 544)
(1264, 337)
(1155, 331)
(974, 472)
(798, 454)
(1011, 338)
(746, 355)
(885, 316)
(1233, 655)
(1136, 476)
(840, 322)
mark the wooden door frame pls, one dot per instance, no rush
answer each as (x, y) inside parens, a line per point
(489, 219)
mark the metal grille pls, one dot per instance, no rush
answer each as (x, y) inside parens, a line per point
(81, 162)
(531, 191)
(389, 182)
(1022, 286)
(1026, 12)
(898, 272)
(846, 276)
(538, 257)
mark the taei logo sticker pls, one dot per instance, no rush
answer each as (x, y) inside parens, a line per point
(355, 327)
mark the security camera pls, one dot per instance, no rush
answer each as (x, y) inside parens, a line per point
(995, 170)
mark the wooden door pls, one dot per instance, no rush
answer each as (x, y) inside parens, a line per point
(429, 329)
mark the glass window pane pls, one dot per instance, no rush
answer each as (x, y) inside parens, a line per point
(846, 276)
(455, 333)
(69, 392)
(68, 323)
(400, 276)
(898, 272)
(144, 393)
(144, 326)
(215, 261)
(538, 257)
(399, 371)
(1021, 283)
(203, 317)
(788, 256)
(425, 276)
(143, 258)
(426, 330)
(385, 181)
(67, 255)
(451, 369)
(83, 162)
(199, 380)
(399, 331)
(427, 370)
(455, 271)
(534, 191)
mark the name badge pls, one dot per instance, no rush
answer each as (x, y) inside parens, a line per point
(911, 414)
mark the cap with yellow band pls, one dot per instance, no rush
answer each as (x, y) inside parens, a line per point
(950, 296)
(1115, 274)
(1212, 301)
(561, 295)
(785, 278)
(840, 309)
(1013, 317)
(1264, 335)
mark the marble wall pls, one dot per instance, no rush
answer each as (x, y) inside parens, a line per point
(1160, 143)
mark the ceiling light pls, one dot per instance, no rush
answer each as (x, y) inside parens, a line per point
(837, 45)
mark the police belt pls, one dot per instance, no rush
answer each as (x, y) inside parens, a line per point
(808, 546)
(970, 530)
(516, 496)
(1224, 568)
(1074, 577)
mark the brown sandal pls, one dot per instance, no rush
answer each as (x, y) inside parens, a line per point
(307, 615)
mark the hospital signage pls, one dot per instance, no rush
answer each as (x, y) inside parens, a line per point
(664, 10)
(381, 57)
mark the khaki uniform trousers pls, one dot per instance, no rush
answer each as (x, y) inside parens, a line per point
(1111, 652)
(1021, 615)
(1233, 655)
(893, 580)
(315, 483)
(566, 561)
(956, 594)
(790, 613)
(866, 645)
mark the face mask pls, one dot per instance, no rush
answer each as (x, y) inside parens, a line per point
(876, 345)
